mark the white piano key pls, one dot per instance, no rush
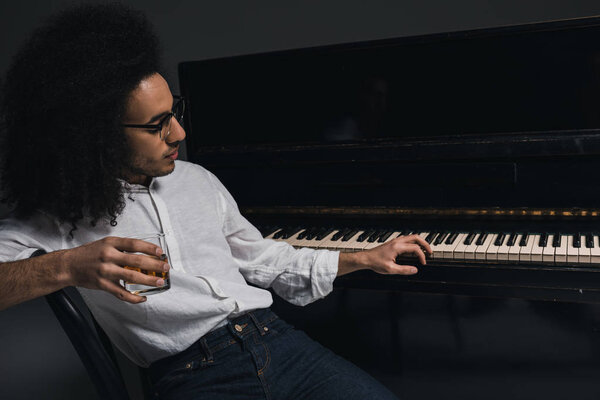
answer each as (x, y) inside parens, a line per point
(526, 251)
(314, 242)
(448, 252)
(492, 251)
(470, 249)
(459, 250)
(595, 252)
(585, 255)
(481, 251)
(513, 251)
(353, 244)
(438, 250)
(536, 250)
(548, 253)
(393, 236)
(327, 243)
(372, 245)
(503, 250)
(294, 241)
(572, 251)
(560, 253)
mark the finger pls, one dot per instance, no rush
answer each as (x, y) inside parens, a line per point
(138, 277)
(142, 262)
(416, 250)
(120, 293)
(422, 242)
(135, 246)
(405, 269)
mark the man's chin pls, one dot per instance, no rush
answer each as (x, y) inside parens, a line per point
(166, 171)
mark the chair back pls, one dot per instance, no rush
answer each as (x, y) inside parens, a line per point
(91, 343)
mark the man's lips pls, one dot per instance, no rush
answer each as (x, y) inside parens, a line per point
(173, 155)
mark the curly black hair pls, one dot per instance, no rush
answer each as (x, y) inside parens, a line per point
(62, 102)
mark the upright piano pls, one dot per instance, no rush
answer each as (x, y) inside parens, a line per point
(486, 143)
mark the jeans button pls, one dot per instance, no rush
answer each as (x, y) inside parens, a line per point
(238, 328)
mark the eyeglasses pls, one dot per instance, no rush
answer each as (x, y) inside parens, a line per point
(163, 128)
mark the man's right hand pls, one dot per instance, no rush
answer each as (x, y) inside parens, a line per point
(99, 265)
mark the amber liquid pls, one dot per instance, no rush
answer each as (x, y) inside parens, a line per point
(137, 288)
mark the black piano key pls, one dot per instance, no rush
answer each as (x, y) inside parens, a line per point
(279, 234)
(481, 239)
(469, 238)
(589, 240)
(324, 232)
(429, 238)
(349, 235)
(314, 233)
(440, 238)
(340, 234)
(365, 235)
(291, 232)
(385, 236)
(511, 239)
(375, 235)
(451, 238)
(543, 240)
(556, 240)
(310, 234)
(404, 233)
(303, 234)
(523, 241)
(500, 239)
(577, 240)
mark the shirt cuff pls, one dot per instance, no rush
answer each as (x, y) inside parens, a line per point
(324, 272)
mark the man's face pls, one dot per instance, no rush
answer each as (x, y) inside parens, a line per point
(150, 156)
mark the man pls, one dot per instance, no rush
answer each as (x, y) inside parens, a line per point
(92, 134)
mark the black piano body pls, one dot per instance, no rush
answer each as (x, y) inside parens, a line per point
(493, 131)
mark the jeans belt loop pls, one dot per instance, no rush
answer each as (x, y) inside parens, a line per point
(258, 324)
(206, 349)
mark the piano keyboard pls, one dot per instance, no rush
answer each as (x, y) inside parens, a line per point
(495, 247)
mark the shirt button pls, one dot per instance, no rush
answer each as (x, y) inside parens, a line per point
(238, 328)
(266, 329)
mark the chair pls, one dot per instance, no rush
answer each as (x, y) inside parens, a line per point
(92, 345)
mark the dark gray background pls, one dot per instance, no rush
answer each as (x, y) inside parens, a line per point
(36, 359)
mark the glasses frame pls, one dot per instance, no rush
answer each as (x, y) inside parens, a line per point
(165, 120)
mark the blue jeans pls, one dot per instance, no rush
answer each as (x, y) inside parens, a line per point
(259, 356)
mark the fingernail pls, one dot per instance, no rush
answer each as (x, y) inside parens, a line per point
(144, 299)
(159, 252)
(160, 282)
(413, 270)
(165, 267)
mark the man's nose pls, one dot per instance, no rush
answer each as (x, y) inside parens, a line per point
(177, 132)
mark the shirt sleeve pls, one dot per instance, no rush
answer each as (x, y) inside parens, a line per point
(300, 276)
(20, 238)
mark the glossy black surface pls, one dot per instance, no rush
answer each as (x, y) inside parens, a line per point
(531, 78)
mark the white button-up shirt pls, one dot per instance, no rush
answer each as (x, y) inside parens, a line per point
(214, 252)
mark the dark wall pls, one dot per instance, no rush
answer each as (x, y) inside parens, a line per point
(36, 359)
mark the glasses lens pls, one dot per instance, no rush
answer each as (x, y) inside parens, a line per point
(178, 110)
(166, 128)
